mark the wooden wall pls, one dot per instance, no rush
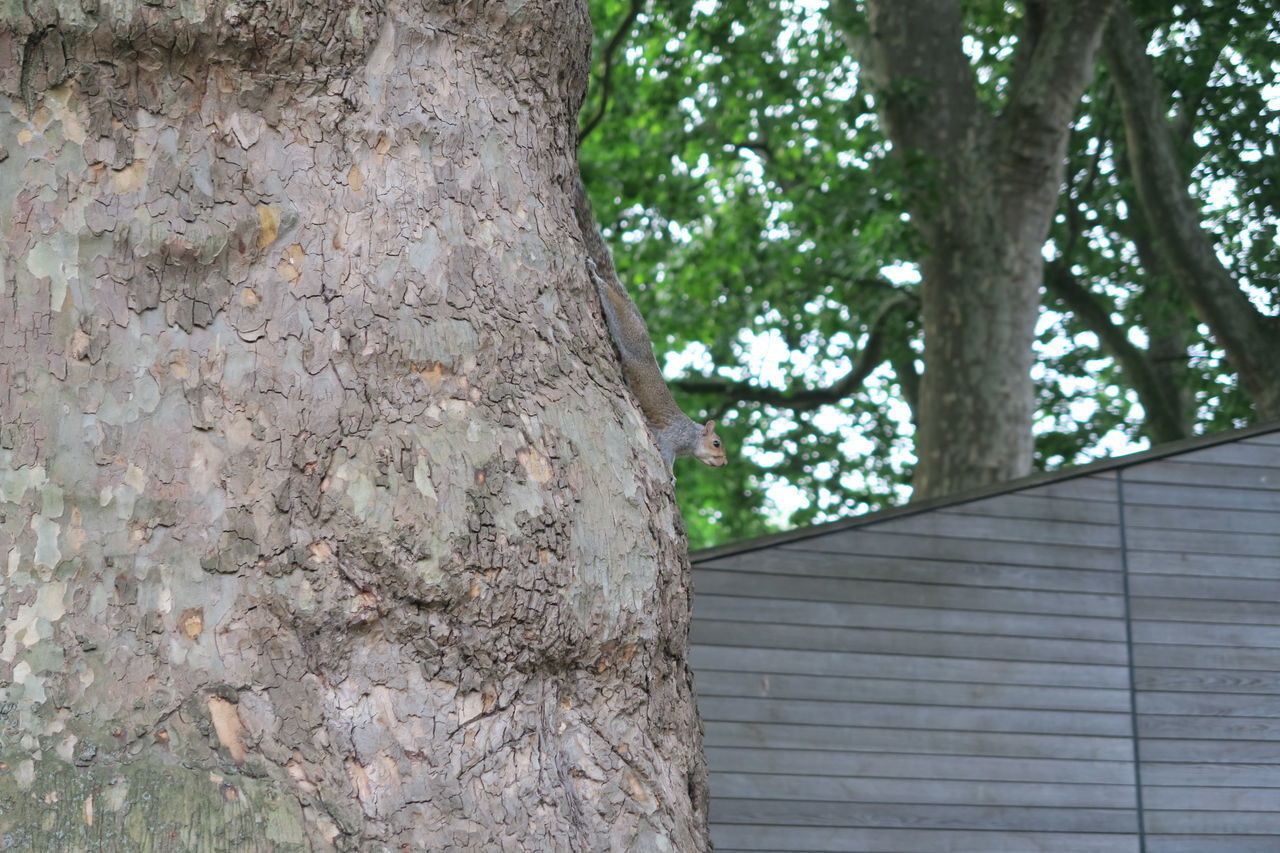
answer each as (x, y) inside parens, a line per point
(971, 677)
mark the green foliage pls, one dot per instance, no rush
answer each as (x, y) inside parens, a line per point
(746, 187)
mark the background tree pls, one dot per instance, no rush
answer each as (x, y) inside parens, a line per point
(325, 520)
(778, 249)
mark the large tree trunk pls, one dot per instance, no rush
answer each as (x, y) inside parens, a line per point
(984, 214)
(324, 519)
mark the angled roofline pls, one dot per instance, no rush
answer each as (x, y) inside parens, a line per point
(1114, 463)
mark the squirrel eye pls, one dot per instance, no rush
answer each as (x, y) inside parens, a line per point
(715, 444)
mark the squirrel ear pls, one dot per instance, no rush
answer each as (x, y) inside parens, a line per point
(709, 428)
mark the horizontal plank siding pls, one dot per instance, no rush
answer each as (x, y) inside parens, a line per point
(1203, 531)
(820, 839)
(981, 675)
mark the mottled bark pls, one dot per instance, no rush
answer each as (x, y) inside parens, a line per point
(985, 216)
(1185, 249)
(325, 520)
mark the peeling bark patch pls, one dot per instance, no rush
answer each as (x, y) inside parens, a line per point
(226, 723)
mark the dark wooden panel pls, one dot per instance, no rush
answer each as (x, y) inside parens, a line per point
(896, 617)
(1205, 542)
(712, 682)
(1202, 776)
(1214, 823)
(818, 564)
(1178, 473)
(938, 742)
(919, 641)
(1212, 681)
(1210, 844)
(908, 594)
(870, 715)
(1207, 497)
(887, 815)
(1003, 534)
(1207, 565)
(873, 765)
(775, 839)
(770, 786)
(1207, 704)
(1193, 517)
(756, 660)
(880, 540)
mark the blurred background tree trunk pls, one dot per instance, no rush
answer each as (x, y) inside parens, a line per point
(324, 520)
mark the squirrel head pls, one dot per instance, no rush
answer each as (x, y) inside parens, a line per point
(710, 450)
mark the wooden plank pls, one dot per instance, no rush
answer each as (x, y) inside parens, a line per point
(1192, 517)
(1176, 472)
(1233, 798)
(1210, 844)
(712, 682)
(1202, 776)
(1256, 454)
(1206, 727)
(756, 660)
(834, 613)
(1202, 657)
(1204, 610)
(881, 541)
(793, 839)
(1035, 506)
(1207, 634)
(1207, 704)
(1207, 497)
(1002, 532)
(769, 786)
(1202, 588)
(885, 765)
(1212, 681)
(917, 816)
(910, 642)
(1217, 751)
(910, 595)
(1214, 823)
(871, 715)
(1268, 439)
(1206, 565)
(818, 564)
(1205, 542)
(934, 742)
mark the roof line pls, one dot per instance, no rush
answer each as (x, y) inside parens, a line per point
(1161, 451)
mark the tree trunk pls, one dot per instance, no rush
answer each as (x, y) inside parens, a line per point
(1250, 338)
(325, 520)
(984, 216)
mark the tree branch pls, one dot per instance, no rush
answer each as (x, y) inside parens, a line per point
(1160, 402)
(807, 399)
(1187, 251)
(922, 77)
(606, 72)
(1054, 64)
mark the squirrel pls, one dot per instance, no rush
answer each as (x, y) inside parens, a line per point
(675, 432)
